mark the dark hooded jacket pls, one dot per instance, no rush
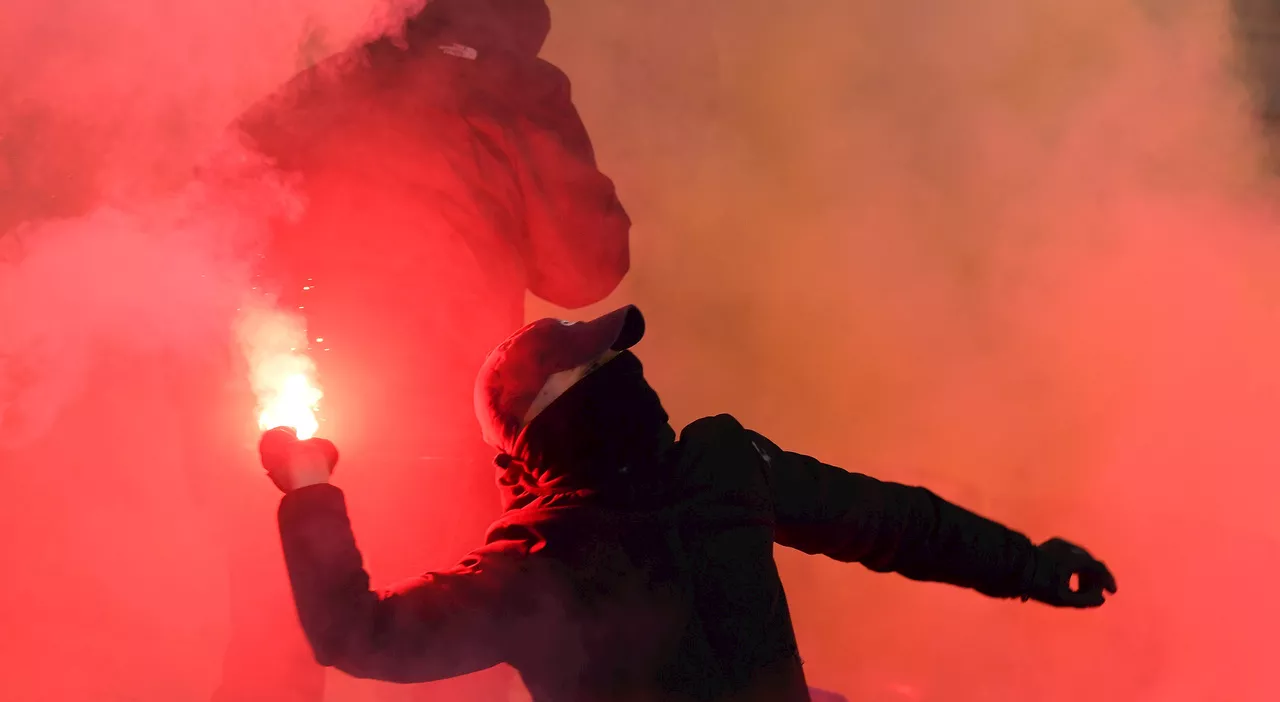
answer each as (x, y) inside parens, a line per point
(645, 575)
(443, 172)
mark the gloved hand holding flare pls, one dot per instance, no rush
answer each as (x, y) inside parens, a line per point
(292, 463)
(291, 455)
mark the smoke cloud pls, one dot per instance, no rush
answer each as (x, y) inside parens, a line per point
(1023, 253)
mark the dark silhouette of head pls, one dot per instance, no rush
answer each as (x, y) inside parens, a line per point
(567, 406)
(540, 362)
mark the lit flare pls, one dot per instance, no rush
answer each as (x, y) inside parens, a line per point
(292, 404)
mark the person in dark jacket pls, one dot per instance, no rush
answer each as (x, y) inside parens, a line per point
(444, 174)
(629, 564)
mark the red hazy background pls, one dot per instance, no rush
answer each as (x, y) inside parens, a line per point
(1022, 252)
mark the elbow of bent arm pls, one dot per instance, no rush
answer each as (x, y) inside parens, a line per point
(392, 643)
(360, 662)
(588, 274)
(348, 638)
(332, 651)
(578, 291)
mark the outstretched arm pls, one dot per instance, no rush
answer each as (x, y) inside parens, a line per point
(577, 246)
(888, 527)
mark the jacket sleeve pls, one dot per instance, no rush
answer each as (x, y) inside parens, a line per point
(577, 245)
(889, 527)
(436, 626)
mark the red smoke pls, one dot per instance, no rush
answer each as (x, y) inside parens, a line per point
(1022, 252)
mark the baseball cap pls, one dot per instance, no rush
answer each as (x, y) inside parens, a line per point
(515, 371)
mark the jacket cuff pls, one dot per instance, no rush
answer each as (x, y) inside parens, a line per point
(321, 498)
(1027, 584)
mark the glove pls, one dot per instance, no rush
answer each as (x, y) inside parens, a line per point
(1057, 560)
(291, 463)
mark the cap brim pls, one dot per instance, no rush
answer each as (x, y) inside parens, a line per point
(625, 325)
(618, 330)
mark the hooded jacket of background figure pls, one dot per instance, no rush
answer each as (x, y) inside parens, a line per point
(629, 565)
(445, 172)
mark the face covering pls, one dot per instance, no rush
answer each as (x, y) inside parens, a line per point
(610, 425)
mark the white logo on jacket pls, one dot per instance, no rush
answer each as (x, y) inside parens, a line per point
(460, 51)
(767, 458)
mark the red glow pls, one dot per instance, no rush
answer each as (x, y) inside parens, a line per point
(1020, 252)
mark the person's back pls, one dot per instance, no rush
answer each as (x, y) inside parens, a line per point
(665, 588)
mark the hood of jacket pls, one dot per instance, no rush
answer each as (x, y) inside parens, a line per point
(518, 27)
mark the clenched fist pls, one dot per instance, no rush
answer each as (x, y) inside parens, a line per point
(1057, 562)
(292, 463)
